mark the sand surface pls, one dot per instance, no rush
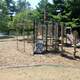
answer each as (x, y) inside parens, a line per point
(15, 64)
(40, 73)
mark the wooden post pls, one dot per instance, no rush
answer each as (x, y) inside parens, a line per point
(46, 36)
(56, 37)
(42, 32)
(33, 35)
(17, 34)
(62, 36)
(66, 36)
(34, 32)
(74, 41)
(24, 37)
(17, 37)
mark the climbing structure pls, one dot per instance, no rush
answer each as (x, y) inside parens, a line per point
(47, 34)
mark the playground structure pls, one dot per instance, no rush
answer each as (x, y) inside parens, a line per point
(72, 38)
(48, 34)
(70, 35)
(23, 34)
(47, 37)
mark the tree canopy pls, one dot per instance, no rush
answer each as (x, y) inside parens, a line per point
(67, 11)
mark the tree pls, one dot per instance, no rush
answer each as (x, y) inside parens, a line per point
(75, 8)
(58, 1)
(11, 5)
(71, 12)
(41, 7)
(50, 9)
(23, 5)
(3, 16)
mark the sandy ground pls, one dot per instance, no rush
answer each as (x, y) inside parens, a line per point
(20, 65)
(40, 73)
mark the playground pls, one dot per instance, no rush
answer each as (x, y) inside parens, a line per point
(47, 49)
(39, 40)
(38, 54)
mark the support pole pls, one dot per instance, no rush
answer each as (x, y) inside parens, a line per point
(65, 36)
(62, 37)
(34, 33)
(17, 38)
(74, 42)
(24, 38)
(46, 35)
(56, 37)
(42, 32)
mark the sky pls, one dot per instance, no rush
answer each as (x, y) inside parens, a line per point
(34, 2)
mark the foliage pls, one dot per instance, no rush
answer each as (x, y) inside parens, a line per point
(66, 11)
(22, 5)
(69, 11)
(24, 18)
(3, 16)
